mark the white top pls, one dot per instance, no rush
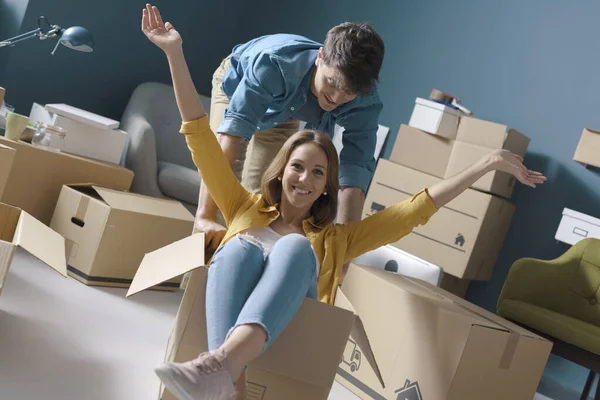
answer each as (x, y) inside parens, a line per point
(266, 239)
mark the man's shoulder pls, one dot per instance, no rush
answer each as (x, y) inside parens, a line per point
(280, 44)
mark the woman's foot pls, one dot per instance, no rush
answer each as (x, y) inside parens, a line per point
(208, 377)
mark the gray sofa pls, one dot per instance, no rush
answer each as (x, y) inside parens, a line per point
(156, 152)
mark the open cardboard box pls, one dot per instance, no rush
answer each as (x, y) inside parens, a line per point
(108, 232)
(430, 344)
(19, 229)
(31, 178)
(301, 364)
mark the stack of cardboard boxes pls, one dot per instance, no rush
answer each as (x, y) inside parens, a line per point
(466, 235)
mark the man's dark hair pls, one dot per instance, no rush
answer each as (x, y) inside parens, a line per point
(357, 51)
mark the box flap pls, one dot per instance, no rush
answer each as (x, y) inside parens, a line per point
(42, 242)
(359, 334)
(486, 318)
(169, 262)
(82, 116)
(133, 202)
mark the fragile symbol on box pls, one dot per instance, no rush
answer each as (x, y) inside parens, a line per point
(351, 356)
(410, 391)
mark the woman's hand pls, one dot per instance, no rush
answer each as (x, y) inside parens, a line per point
(505, 161)
(161, 34)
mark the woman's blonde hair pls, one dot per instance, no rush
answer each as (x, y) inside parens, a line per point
(324, 209)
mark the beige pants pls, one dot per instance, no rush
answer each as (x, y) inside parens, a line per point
(255, 156)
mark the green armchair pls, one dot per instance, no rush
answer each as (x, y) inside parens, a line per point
(559, 299)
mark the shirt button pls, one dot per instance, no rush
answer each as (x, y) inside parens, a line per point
(274, 123)
(292, 108)
(258, 127)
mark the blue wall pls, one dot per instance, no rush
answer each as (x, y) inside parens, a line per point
(531, 65)
(102, 81)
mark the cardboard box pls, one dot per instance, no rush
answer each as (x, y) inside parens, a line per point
(422, 151)
(575, 226)
(435, 118)
(495, 182)
(108, 232)
(83, 138)
(464, 237)
(456, 286)
(32, 177)
(435, 346)
(19, 229)
(588, 148)
(491, 135)
(300, 364)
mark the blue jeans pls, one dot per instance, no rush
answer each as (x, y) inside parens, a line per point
(245, 288)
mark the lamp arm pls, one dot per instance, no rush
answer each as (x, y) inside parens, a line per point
(18, 38)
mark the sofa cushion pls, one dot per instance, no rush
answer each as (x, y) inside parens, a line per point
(179, 182)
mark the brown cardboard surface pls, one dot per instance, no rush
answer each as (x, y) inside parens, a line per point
(108, 237)
(422, 151)
(35, 180)
(495, 182)
(436, 345)
(588, 148)
(302, 362)
(18, 228)
(464, 237)
(7, 157)
(491, 135)
(454, 285)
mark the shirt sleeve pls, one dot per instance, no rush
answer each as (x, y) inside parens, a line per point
(357, 162)
(214, 169)
(389, 225)
(262, 81)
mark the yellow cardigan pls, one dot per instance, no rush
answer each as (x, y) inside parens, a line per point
(334, 244)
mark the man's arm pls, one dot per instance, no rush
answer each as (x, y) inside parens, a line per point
(352, 200)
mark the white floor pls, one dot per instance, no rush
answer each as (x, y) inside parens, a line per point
(62, 340)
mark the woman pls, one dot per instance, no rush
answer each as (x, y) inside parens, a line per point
(280, 247)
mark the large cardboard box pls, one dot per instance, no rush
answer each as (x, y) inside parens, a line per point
(476, 138)
(88, 134)
(495, 182)
(19, 229)
(301, 364)
(431, 345)
(108, 232)
(422, 151)
(588, 148)
(491, 135)
(32, 177)
(464, 237)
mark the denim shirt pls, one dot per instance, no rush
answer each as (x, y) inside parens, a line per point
(268, 82)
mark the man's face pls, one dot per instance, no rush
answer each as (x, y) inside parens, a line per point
(328, 85)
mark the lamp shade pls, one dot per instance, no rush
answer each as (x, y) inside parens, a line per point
(77, 38)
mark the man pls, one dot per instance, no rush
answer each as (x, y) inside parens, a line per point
(267, 85)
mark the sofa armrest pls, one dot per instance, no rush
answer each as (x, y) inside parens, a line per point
(141, 156)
